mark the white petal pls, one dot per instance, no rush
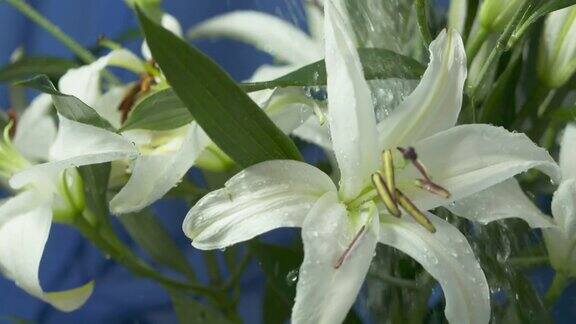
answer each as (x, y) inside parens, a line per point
(22, 241)
(76, 144)
(84, 82)
(36, 129)
(467, 159)
(324, 293)
(107, 105)
(170, 23)
(154, 175)
(313, 132)
(561, 240)
(315, 18)
(260, 198)
(289, 108)
(350, 110)
(448, 257)
(266, 32)
(568, 152)
(435, 104)
(504, 200)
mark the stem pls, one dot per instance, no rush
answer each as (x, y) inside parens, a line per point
(528, 262)
(559, 282)
(212, 267)
(538, 97)
(421, 6)
(475, 43)
(395, 281)
(35, 16)
(237, 273)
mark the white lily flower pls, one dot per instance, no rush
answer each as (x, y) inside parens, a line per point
(25, 219)
(561, 240)
(341, 226)
(557, 51)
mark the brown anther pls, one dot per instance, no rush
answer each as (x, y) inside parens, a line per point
(432, 188)
(350, 248)
(12, 118)
(413, 211)
(142, 86)
(411, 155)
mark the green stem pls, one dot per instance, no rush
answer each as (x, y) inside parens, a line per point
(537, 98)
(475, 43)
(237, 273)
(527, 262)
(421, 7)
(395, 281)
(212, 267)
(559, 282)
(35, 16)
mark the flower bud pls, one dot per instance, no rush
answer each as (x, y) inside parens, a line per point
(495, 14)
(71, 199)
(557, 52)
(11, 160)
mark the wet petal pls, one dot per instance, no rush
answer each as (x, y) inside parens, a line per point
(470, 158)
(435, 104)
(313, 132)
(22, 241)
(36, 129)
(76, 144)
(448, 257)
(154, 175)
(501, 201)
(84, 82)
(325, 293)
(568, 152)
(279, 38)
(560, 240)
(260, 198)
(350, 110)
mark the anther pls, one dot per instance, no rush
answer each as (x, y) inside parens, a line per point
(389, 173)
(387, 198)
(411, 155)
(350, 248)
(413, 211)
(13, 121)
(432, 188)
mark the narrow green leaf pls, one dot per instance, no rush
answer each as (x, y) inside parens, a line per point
(29, 66)
(68, 106)
(232, 120)
(151, 236)
(378, 63)
(95, 179)
(189, 310)
(161, 110)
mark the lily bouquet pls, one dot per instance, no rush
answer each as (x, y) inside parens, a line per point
(436, 132)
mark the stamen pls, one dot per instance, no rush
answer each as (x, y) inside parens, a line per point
(411, 155)
(387, 198)
(411, 209)
(142, 86)
(13, 121)
(432, 188)
(389, 173)
(350, 248)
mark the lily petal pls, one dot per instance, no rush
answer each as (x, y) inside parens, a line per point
(36, 129)
(154, 175)
(350, 110)
(315, 19)
(435, 104)
(504, 200)
(568, 152)
(325, 291)
(22, 241)
(76, 144)
(561, 240)
(258, 199)
(279, 38)
(448, 257)
(84, 82)
(467, 159)
(107, 105)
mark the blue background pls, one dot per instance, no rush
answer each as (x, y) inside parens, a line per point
(119, 297)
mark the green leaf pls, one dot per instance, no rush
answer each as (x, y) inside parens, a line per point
(232, 120)
(162, 110)
(151, 236)
(29, 66)
(378, 63)
(95, 179)
(189, 310)
(68, 106)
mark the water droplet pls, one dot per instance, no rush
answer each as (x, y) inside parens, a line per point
(292, 277)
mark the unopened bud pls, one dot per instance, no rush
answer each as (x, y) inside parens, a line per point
(496, 14)
(71, 200)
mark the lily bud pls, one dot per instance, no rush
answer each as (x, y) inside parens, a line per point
(557, 52)
(71, 201)
(495, 14)
(11, 160)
